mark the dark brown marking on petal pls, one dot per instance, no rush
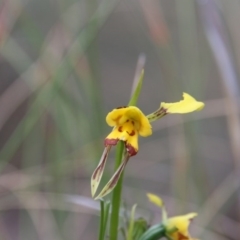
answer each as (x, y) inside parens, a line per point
(120, 129)
(132, 133)
(161, 112)
(164, 110)
(127, 120)
(100, 167)
(110, 142)
(96, 171)
(132, 123)
(116, 177)
(118, 173)
(102, 164)
(182, 237)
(121, 107)
(131, 150)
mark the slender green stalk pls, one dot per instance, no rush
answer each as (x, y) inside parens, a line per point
(116, 197)
(101, 228)
(106, 214)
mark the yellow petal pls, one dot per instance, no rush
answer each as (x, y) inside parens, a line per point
(132, 113)
(188, 104)
(119, 116)
(145, 129)
(142, 124)
(155, 199)
(180, 223)
(113, 117)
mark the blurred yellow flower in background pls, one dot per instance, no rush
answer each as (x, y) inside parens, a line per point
(176, 228)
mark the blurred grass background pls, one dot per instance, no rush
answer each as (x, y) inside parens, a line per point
(65, 64)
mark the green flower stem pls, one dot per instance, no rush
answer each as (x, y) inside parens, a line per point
(101, 227)
(116, 197)
(106, 214)
(104, 211)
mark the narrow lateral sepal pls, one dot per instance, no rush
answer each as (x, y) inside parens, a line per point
(98, 172)
(114, 179)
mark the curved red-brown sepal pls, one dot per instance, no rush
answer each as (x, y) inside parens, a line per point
(97, 174)
(114, 179)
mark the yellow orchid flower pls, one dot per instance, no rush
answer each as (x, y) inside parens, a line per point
(176, 228)
(128, 123)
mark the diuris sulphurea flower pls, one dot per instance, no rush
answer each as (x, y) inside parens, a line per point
(177, 227)
(128, 123)
(174, 228)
